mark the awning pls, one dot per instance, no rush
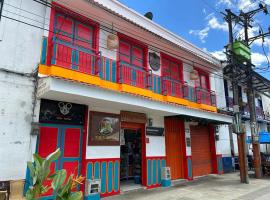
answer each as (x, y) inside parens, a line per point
(264, 138)
(260, 84)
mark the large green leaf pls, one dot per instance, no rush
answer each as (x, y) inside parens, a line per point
(75, 196)
(58, 179)
(53, 156)
(31, 169)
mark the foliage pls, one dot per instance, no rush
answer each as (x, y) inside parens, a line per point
(63, 189)
(62, 185)
(39, 172)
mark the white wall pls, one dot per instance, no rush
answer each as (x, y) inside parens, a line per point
(20, 47)
(217, 85)
(223, 144)
(187, 135)
(155, 147)
(103, 34)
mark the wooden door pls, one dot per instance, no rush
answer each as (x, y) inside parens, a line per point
(201, 152)
(174, 147)
(69, 140)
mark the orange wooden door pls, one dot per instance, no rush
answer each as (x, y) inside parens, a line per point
(174, 153)
(200, 148)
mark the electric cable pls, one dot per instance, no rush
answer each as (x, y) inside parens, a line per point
(102, 47)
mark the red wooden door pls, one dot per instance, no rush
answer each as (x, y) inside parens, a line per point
(201, 152)
(69, 140)
(174, 153)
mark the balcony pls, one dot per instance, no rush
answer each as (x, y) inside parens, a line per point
(92, 68)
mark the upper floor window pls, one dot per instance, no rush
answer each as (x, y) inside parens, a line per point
(202, 81)
(171, 69)
(73, 32)
(131, 54)
(1, 7)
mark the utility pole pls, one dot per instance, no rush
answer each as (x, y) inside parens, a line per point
(244, 19)
(241, 136)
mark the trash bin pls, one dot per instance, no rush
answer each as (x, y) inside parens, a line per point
(92, 189)
(166, 177)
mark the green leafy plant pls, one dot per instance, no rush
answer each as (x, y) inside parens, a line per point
(39, 173)
(63, 189)
(62, 185)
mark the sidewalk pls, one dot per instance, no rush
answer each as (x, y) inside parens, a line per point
(212, 187)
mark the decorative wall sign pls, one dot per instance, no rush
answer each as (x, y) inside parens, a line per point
(104, 129)
(134, 117)
(154, 61)
(61, 112)
(154, 131)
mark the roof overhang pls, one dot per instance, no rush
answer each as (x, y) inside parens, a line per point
(260, 84)
(75, 92)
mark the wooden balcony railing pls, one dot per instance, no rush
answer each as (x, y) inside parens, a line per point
(75, 58)
(90, 62)
(134, 76)
(174, 88)
(207, 97)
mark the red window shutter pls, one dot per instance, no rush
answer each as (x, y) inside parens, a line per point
(124, 49)
(137, 56)
(84, 36)
(175, 71)
(166, 68)
(203, 82)
(64, 26)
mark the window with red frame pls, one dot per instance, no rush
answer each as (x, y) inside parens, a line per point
(74, 32)
(203, 81)
(131, 54)
(171, 69)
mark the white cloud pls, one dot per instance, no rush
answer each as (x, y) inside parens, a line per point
(246, 5)
(259, 59)
(204, 11)
(215, 24)
(227, 3)
(219, 55)
(202, 34)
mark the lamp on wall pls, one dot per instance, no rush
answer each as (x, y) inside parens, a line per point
(194, 75)
(112, 42)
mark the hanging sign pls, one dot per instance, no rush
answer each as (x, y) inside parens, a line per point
(154, 131)
(133, 117)
(61, 112)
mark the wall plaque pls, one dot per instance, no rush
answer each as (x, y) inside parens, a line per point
(133, 117)
(104, 129)
(61, 112)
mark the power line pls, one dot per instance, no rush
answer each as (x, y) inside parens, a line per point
(105, 48)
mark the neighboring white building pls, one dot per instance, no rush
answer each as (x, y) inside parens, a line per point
(20, 46)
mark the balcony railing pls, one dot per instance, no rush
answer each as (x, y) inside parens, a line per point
(207, 97)
(174, 88)
(75, 58)
(87, 61)
(229, 103)
(134, 76)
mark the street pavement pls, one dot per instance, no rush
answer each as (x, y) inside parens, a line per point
(214, 187)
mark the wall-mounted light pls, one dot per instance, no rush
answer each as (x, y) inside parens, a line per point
(150, 122)
(112, 42)
(194, 75)
(35, 128)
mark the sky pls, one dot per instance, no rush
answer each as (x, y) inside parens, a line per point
(201, 23)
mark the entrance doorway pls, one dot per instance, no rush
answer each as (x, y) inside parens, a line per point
(131, 159)
(175, 148)
(201, 151)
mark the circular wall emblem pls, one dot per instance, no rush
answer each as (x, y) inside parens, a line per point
(154, 61)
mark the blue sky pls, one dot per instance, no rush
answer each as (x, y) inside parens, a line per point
(200, 22)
